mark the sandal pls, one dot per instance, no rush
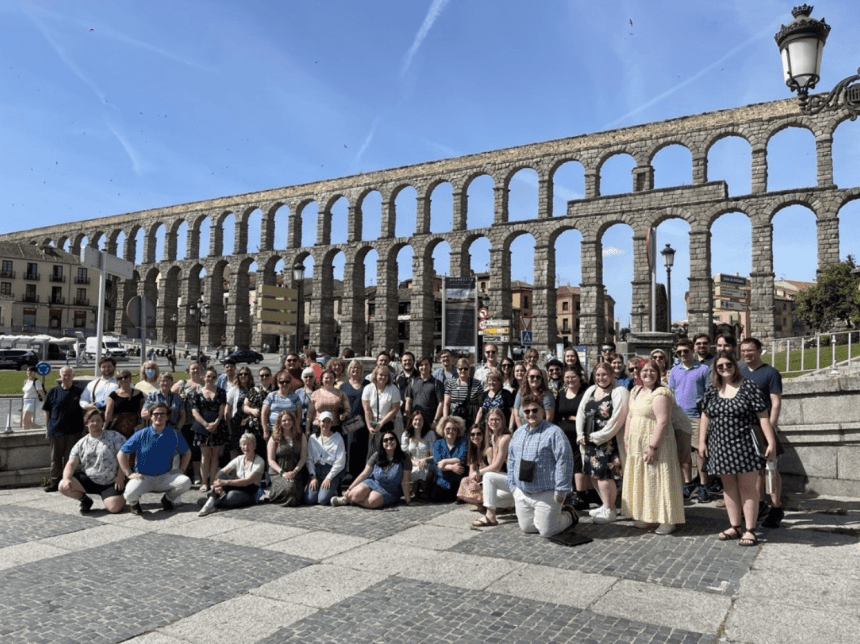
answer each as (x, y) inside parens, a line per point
(747, 542)
(725, 536)
(484, 522)
(204, 489)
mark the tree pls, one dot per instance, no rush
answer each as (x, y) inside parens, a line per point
(835, 298)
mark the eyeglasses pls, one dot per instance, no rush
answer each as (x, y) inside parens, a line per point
(490, 353)
(531, 410)
(507, 366)
(159, 413)
(657, 357)
(292, 360)
(682, 352)
(725, 366)
(476, 434)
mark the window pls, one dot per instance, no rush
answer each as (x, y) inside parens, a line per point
(32, 271)
(56, 295)
(7, 268)
(30, 293)
(565, 306)
(6, 288)
(82, 276)
(81, 297)
(525, 301)
(54, 316)
(57, 273)
(29, 318)
(80, 319)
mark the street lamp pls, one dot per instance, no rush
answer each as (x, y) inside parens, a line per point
(298, 280)
(175, 321)
(668, 254)
(801, 44)
(201, 314)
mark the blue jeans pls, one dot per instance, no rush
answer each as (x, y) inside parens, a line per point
(236, 497)
(319, 495)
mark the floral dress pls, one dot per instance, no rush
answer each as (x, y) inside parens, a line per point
(600, 461)
(417, 449)
(208, 409)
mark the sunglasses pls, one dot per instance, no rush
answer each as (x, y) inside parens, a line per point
(124, 378)
(490, 353)
(726, 366)
(683, 352)
(389, 440)
(283, 382)
(265, 375)
(531, 410)
(534, 377)
(507, 366)
(476, 434)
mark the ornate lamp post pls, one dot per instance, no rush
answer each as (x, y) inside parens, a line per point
(668, 254)
(175, 321)
(801, 44)
(299, 281)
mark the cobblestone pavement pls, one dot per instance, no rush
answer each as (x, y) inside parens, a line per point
(415, 573)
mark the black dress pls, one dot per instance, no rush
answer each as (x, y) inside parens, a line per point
(208, 408)
(730, 445)
(566, 408)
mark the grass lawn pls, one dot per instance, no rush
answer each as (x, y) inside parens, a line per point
(809, 359)
(12, 381)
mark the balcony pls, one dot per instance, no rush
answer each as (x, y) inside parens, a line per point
(35, 277)
(57, 278)
(8, 274)
(82, 280)
(82, 301)
(58, 299)
(31, 297)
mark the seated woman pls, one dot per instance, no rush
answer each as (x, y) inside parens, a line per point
(494, 481)
(237, 483)
(384, 478)
(326, 462)
(449, 453)
(287, 451)
(476, 458)
(418, 441)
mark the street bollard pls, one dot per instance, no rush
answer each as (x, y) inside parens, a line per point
(9, 419)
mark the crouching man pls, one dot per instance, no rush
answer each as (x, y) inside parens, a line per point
(154, 448)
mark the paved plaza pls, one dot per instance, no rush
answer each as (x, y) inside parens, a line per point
(415, 573)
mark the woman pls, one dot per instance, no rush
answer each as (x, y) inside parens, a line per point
(659, 356)
(476, 458)
(496, 397)
(309, 378)
(328, 398)
(186, 390)
(165, 395)
(149, 373)
(33, 392)
(535, 385)
(530, 358)
(326, 462)
(123, 405)
(509, 382)
(494, 481)
(566, 408)
(731, 409)
(338, 367)
(621, 378)
(600, 417)
(279, 400)
(237, 421)
(384, 479)
(253, 405)
(381, 402)
(571, 360)
(238, 482)
(449, 454)
(357, 440)
(462, 394)
(652, 494)
(288, 452)
(418, 441)
(209, 407)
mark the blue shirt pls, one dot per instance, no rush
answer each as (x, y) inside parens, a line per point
(689, 386)
(550, 450)
(154, 451)
(441, 452)
(767, 379)
(174, 401)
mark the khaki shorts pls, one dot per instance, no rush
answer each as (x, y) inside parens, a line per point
(694, 423)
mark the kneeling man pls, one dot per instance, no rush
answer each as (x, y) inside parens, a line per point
(540, 470)
(154, 448)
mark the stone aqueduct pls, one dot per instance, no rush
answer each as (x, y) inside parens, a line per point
(700, 204)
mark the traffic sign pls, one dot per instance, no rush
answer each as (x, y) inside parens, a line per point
(498, 322)
(526, 338)
(497, 330)
(483, 313)
(497, 338)
(277, 316)
(43, 368)
(275, 329)
(137, 308)
(94, 258)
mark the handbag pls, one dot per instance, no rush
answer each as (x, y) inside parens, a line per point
(758, 439)
(353, 424)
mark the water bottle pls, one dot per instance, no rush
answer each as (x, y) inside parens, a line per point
(771, 472)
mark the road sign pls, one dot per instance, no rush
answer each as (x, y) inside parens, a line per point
(497, 330)
(497, 322)
(277, 316)
(526, 338)
(275, 329)
(497, 338)
(483, 313)
(43, 368)
(139, 306)
(113, 265)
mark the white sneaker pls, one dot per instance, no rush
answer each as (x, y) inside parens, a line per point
(337, 501)
(595, 511)
(208, 507)
(665, 528)
(604, 515)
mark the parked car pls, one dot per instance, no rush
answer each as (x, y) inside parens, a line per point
(17, 358)
(246, 355)
(202, 358)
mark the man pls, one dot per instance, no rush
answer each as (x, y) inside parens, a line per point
(448, 371)
(540, 469)
(227, 379)
(491, 361)
(606, 349)
(726, 346)
(405, 377)
(100, 473)
(769, 382)
(687, 381)
(702, 344)
(154, 448)
(553, 376)
(425, 394)
(64, 420)
(96, 392)
(293, 366)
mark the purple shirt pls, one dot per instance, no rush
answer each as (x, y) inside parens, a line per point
(688, 385)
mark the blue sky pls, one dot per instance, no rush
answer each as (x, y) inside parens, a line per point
(112, 107)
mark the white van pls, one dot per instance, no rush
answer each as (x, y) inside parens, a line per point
(111, 346)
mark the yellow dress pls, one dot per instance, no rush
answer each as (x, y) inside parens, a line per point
(651, 493)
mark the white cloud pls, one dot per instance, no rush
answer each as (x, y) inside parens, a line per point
(432, 13)
(611, 251)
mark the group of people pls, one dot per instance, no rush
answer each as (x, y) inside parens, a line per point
(544, 442)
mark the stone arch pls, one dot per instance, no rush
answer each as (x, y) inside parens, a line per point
(177, 240)
(479, 188)
(440, 201)
(783, 169)
(522, 192)
(335, 220)
(151, 245)
(671, 162)
(368, 209)
(607, 181)
(568, 184)
(275, 227)
(198, 227)
(307, 211)
(723, 152)
(404, 224)
(168, 312)
(95, 239)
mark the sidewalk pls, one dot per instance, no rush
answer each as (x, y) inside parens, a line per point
(416, 574)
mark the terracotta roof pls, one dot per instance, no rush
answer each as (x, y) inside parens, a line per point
(31, 252)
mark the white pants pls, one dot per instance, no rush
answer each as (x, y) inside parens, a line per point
(540, 512)
(497, 494)
(173, 483)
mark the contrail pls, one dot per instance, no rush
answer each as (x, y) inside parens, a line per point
(432, 13)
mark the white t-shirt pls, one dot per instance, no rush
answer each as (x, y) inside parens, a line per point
(380, 403)
(242, 470)
(31, 387)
